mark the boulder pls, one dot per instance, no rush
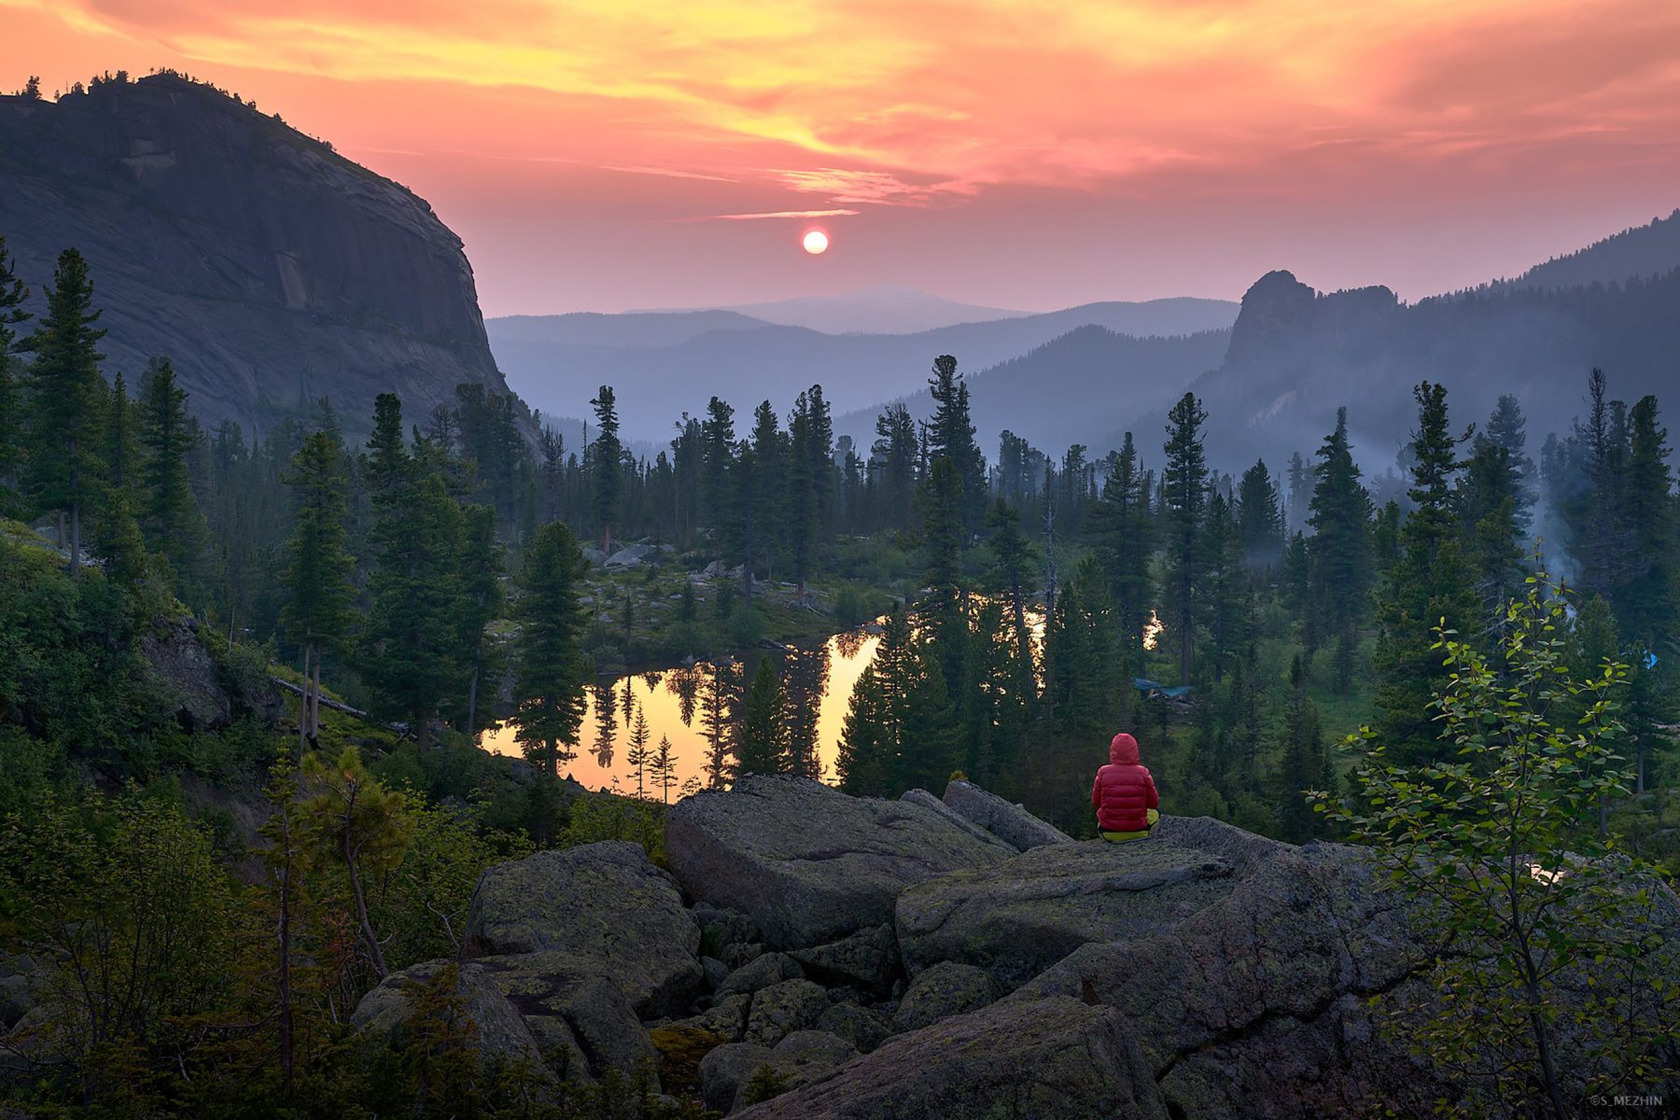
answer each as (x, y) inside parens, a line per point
(808, 863)
(715, 972)
(946, 989)
(723, 933)
(931, 803)
(601, 906)
(762, 972)
(1019, 918)
(861, 1027)
(725, 1069)
(1010, 823)
(501, 1031)
(867, 960)
(727, 1017)
(582, 1020)
(781, 1009)
(1053, 1059)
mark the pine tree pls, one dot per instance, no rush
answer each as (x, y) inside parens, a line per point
(1305, 764)
(663, 767)
(763, 743)
(1507, 428)
(639, 756)
(316, 615)
(410, 649)
(12, 296)
(609, 465)
(1013, 559)
(1339, 571)
(66, 403)
(1488, 497)
(867, 738)
(720, 716)
(480, 567)
(805, 681)
(1430, 587)
(550, 670)
(117, 535)
(1125, 540)
(951, 437)
(1185, 490)
(1645, 597)
(717, 452)
(893, 460)
(170, 516)
(1259, 520)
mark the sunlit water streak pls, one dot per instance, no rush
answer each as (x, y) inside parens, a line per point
(673, 702)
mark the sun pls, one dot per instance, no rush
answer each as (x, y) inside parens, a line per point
(816, 241)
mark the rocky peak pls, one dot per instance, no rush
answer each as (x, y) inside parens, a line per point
(270, 269)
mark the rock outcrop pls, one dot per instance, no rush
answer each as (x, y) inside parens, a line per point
(806, 862)
(269, 269)
(602, 907)
(500, 1032)
(1010, 823)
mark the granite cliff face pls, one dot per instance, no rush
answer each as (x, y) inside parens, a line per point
(269, 269)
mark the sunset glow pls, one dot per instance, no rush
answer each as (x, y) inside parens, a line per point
(815, 242)
(1101, 132)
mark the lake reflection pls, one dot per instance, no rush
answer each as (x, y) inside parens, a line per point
(818, 681)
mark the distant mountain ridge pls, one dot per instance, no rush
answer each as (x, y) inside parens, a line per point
(1643, 251)
(885, 309)
(665, 362)
(269, 269)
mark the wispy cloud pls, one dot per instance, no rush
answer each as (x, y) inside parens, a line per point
(769, 214)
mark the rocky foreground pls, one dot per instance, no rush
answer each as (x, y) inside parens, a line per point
(862, 958)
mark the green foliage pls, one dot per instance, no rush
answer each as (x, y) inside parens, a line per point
(766, 1082)
(604, 816)
(1488, 838)
(549, 667)
(762, 747)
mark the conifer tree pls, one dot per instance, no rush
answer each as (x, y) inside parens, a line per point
(721, 717)
(480, 572)
(763, 744)
(1259, 520)
(866, 738)
(1645, 597)
(1013, 559)
(951, 436)
(1339, 552)
(1507, 428)
(717, 451)
(117, 535)
(1305, 766)
(609, 465)
(805, 681)
(663, 767)
(12, 315)
(316, 614)
(1488, 499)
(1430, 588)
(893, 460)
(170, 516)
(67, 401)
(942, 536)
(1185, 492)
(639, 756)
(550, 670)
(1125, 539)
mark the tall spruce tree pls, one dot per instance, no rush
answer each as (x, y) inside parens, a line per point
(1185, 493)
(1339, 573)
(1259, 518)
(950, 435)
(12, 315)
(1430, 587)
(893, 464)
(608, 457)
(1305, 765)
(1645, 596)
(117, 536)
(1124, 534)
(550, 670)
(945, 609)
(67, 400)
(480, 571)
(170, 517)
(316, 615)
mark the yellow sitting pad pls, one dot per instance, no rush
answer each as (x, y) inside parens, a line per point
(1121, 837)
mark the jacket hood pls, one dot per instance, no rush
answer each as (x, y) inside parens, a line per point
(1123, 750)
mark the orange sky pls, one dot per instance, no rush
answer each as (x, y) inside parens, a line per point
(612, 153)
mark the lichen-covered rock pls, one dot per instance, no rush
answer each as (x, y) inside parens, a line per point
(725, 934)
(603, 904)
(808, 863)
(861, 1027)
(573, 1011)
(1021, 917)
(867, 960)
(781, 1009)
(727, 1016)
(1054, 1059)
(761, 972)
(725, 1069)
(501, 1034)
(932, 804)
(946, 989)
(1010, 823)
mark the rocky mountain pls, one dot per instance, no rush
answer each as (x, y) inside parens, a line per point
(932, 958)
(663, 363)
(269, 269)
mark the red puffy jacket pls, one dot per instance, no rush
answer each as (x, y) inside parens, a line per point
(1124, 792)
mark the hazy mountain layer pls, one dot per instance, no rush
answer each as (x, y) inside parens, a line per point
(1644, 251)
(744, 366)
(269, 269)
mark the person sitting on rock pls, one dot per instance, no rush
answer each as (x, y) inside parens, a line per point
(1124, 794)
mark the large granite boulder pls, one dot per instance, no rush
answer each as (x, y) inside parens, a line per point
(1010, 823)
(1020, 917)
(500, 1032)
(808, 863)
(801, 1058)
(582, 1021)
(932, 804)
(781, 1009)
(761, 972)
(857, 1025)
(600, 907)
(1051, 1059)
(867, 960)
(946, 989)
